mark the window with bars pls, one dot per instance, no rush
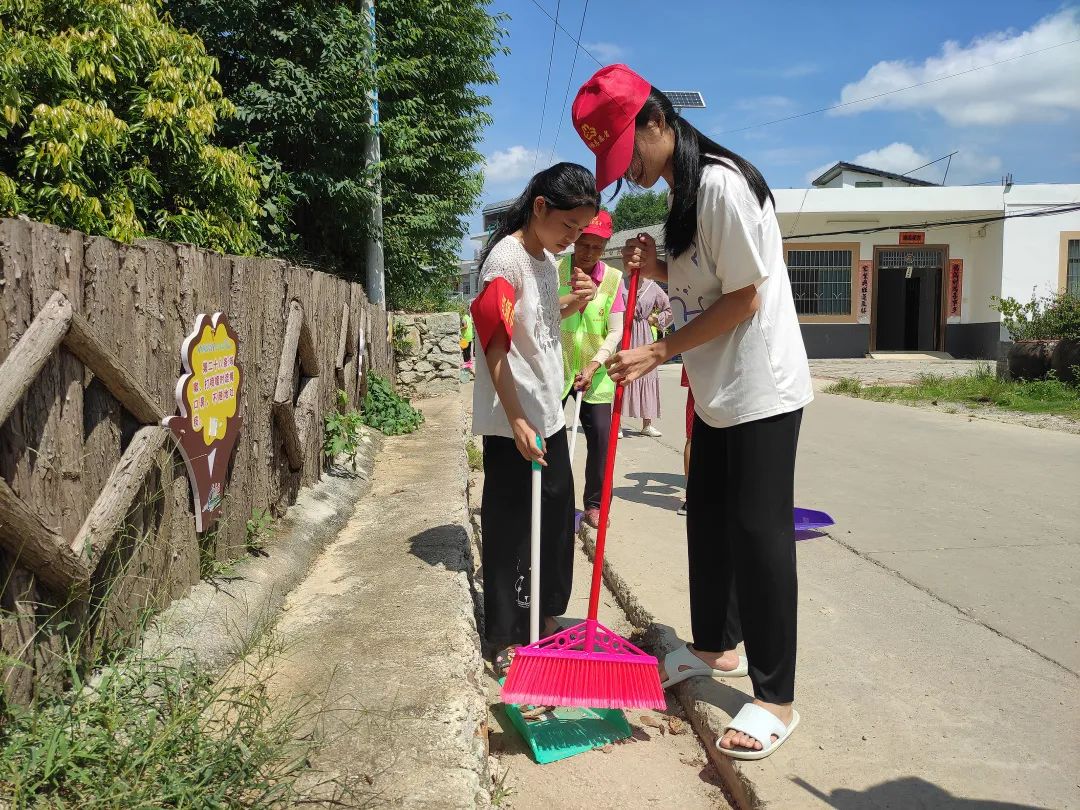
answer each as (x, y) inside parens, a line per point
(1072, 268)
(821, 281)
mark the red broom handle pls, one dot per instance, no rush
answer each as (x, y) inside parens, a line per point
(609, 462)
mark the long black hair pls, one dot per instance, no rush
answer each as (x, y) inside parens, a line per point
(564, 187)
(693, 152)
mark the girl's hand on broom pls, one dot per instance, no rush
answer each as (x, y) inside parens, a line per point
(633, 364)
(526, 440)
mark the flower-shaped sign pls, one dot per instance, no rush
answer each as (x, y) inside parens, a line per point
(208, 425)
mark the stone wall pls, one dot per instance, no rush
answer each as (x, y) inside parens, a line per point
(428, 353)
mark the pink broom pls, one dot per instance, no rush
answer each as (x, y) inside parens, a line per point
(588, 664)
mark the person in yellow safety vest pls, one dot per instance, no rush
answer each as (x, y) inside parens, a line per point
(466, 338)
(589, 337)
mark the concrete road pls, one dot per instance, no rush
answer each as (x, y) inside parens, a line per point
(939, 622)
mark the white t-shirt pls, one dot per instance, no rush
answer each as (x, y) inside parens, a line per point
(759, 369)
(535, 351)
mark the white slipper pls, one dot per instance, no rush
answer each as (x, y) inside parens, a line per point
(761, 724)
(680, 664)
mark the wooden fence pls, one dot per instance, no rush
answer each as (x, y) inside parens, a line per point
(93, 498)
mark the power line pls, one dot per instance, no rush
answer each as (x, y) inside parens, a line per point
(897, 90)
(931, 163)
(559, 25)
(569, 84)
(1063, 208)
(547, 84)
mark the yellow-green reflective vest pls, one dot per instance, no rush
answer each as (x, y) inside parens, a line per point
(583, 333)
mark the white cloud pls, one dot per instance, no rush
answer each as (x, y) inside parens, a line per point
(814, 174)
(515, 163)
(606, 52)
(1041, 87)
(968, 165)
(766, 105)
(896, 157)
(799, 70)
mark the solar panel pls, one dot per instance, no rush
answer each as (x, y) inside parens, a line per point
(686, 99)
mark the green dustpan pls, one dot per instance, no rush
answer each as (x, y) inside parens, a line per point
(569, 730)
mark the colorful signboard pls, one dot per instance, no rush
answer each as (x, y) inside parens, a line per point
(209, 421)
(912, 237)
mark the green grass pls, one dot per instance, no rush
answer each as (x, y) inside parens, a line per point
(150, 734)
(979, 388)
(475, 456)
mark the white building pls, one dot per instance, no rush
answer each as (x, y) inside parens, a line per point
(881, 262)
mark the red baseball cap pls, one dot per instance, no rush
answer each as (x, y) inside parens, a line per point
(601, 226)
(603, 114)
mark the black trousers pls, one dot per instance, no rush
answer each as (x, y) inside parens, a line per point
(740, 533)
(504, 524)
(596, 423)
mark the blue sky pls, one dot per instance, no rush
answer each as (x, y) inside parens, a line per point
(755, 62)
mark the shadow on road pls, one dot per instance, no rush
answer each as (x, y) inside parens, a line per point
(909, 791)
(662, 490)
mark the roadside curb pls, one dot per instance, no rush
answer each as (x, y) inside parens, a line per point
(660, 639)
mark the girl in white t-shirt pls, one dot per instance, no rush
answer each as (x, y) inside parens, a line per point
(517, 399)
(738, 333)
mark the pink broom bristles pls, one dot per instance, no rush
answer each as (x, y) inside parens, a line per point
(586, 665)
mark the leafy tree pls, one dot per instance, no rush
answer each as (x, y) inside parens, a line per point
(433, 57)
(107, 118)
(640, 210)
(299, 73)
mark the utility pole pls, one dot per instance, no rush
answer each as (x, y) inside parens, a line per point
(373, 255)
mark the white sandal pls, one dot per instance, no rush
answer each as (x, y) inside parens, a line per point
(680, 664)
(761, 724)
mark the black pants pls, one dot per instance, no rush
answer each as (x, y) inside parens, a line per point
(596, 423)
(740, 532)
(504, 524)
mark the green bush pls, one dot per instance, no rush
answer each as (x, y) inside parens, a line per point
(107, 118)
(1051, 317)
(387, 411)
(341, 430)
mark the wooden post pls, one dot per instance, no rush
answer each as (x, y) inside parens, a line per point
(294, 325)
(35, 546)
(20, 368)
(116, 499)
(343, 337)
(285, 419)
(84, 343)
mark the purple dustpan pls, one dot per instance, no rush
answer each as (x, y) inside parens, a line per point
(810, 519)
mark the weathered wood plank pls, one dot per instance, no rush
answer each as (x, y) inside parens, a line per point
(343, 338)
(83, 341)
(285, 419)
(33, 545)
(25, 361)
(294, 327)
(117, 498)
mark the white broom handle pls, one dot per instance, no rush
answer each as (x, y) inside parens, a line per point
(534, 565)
(577, 422)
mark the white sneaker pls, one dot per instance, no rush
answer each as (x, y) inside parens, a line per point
(651, 432)
(621, 434)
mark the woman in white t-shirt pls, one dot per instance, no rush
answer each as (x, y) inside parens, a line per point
(738, 333)
(517, 400)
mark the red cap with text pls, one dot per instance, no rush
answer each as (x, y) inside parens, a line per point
(600, 226)
(603, 115)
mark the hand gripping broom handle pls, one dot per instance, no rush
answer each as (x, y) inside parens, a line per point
(609, 471)
(534, 550)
